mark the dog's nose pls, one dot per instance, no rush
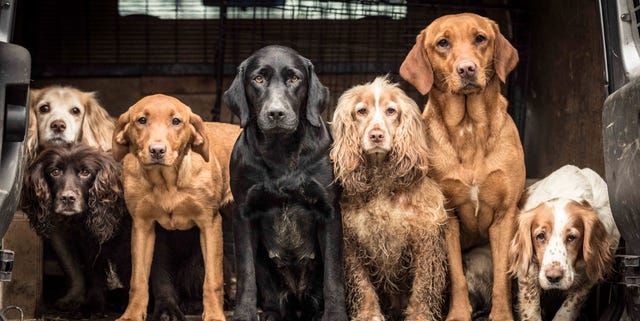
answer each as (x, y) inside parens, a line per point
(554, 274)
(467, 68)
(58, 126)
(157, 150)
(68, 197)
(277, 114)
(376, 135)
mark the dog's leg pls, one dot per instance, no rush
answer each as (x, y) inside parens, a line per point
(570, 309)
(363, 300)
(500, 235)
(330, 240)
(162, 280)
(429, 282)
(211, 245)
(143, 236)
(459, 306)
(74, 297)
(529, 296)
(246, 295)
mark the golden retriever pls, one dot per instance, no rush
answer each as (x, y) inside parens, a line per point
(477, 157)
(176, 174)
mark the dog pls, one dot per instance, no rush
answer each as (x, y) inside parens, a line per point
(64, 115)
(477, 157)
(566, 240)
(279, 100)
(393, 213)
(176, 174)
(72, 195)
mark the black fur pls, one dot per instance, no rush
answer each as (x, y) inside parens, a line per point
(282, 159)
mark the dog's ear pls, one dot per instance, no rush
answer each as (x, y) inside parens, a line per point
(596, 249)
(105, 198)
(199, 139)
(521, 250)
(505, 56)
(416, 68)
(120, 141)
(317, 97)
(97, 126)
(36, 200)
(236, 99)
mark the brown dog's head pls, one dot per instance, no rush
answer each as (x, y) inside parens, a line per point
(158, 130)
(459, 54)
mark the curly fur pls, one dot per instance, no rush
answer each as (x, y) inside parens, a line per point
(393, 214)
(96, 125)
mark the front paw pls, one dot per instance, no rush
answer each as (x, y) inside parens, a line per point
(364, 317)
(69, 302)
(244, 314)
(500, 315)
(458, 315)
(337, 315)
(164, 311)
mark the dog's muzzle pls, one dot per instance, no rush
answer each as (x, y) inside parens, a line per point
(277, 119)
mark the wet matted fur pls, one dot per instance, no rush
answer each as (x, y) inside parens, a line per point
(393, 214)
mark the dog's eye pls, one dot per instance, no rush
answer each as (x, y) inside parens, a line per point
(44, 108)
(294, 79)
(571, 238)
(55, 172)
(75, 110)
(362, 111)
(85, 173)
(176, 121)
(480, 39)
(258, 79)
(540, 237)
(390, 111)
(142, 120)
(443, 43)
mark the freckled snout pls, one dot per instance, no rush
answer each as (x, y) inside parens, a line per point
(157, 150)
(58, 126)
(554, 273)
(466, 69)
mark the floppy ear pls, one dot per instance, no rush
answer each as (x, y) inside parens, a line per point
(505, 56)
(199, 139)
(36, 198)
(596, 247)
(32, 131)
(120, 145)
(105, 201)
(236, 99)
(317, 97)
(416, 68)
(521, 250)
(409, 153)
(97, 127)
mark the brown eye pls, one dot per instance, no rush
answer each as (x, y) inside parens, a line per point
(142, 120)
(85, 173)
(55, 172)
(44, 108)
(540, 237)
(443, 43)
(362, 111)
(390, 111)
(571, 238)
(258, 79)
(176, 121)
(75, 110)
(480, 39)
(294, 79)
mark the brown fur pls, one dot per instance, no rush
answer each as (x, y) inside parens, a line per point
(393, 214)
(96, 124)
(190, 185)
(477, 156)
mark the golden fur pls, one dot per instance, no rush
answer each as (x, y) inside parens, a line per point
(393, 214)
(92, 125)
(181, 189)
(477, 156)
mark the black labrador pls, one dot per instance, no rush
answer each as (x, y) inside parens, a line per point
(284, 145)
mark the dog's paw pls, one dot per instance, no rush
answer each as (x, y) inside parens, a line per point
(365, 317)
(270, 316)
(243, 316)
(337, 316)
(167, 312)
(69, 302)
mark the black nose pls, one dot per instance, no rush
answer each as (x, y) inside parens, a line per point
(276, 115)
(58, 126)
(554, 276)
(68, 198)
(157, 150)
(466, 69)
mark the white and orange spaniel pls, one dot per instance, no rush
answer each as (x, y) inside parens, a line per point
(566, 239)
